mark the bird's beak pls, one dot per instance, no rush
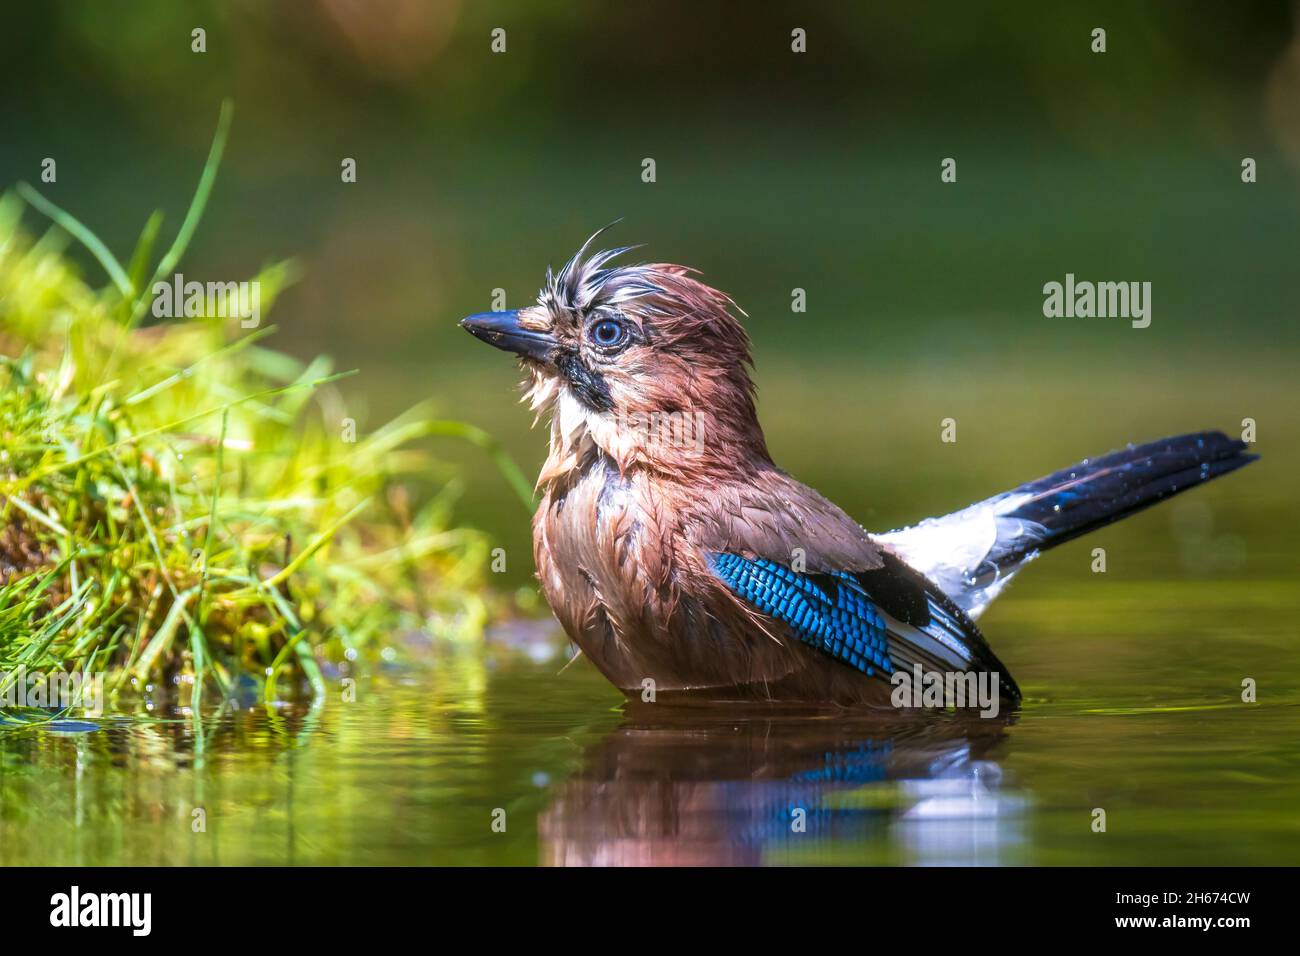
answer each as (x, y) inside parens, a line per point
(502, 329)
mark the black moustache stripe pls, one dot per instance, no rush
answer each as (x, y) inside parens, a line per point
(586, 383)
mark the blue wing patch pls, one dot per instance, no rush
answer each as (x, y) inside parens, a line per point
(829, 611)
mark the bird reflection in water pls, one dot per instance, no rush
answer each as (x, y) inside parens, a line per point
(686, 786)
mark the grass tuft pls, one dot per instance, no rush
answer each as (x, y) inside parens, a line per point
(179, 503)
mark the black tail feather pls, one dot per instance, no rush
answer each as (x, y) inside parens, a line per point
(1098, 491)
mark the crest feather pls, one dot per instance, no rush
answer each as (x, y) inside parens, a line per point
(588, 281)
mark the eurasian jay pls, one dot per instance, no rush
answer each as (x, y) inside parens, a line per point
(682, 561)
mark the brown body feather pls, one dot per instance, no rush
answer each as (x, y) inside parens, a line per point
(622, 560)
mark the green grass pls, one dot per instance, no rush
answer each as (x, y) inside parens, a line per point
(180, 504)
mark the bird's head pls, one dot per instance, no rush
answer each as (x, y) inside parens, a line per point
(642, 362)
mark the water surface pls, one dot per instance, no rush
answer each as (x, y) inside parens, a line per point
(415, 770)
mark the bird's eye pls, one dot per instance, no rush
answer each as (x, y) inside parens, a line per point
(608, 334)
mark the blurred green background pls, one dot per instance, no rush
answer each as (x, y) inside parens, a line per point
(775, 170)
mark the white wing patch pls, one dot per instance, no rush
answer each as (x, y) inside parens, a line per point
(954, 551)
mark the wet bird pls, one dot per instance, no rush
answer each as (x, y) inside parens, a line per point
(685, 564)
